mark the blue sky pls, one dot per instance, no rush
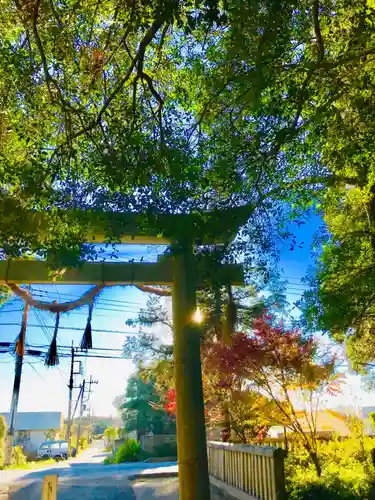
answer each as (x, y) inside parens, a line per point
(46, 388)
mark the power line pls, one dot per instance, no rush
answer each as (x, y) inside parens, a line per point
(108, 308)
(35, 370)
(76, 349)
(41, 321)
(99, 356)
(67, 355)
(112, 301)
(72, 328)
(2, 309)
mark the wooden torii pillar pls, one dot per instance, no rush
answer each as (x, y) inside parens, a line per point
(180, 271)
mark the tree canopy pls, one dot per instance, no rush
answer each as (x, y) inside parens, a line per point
(185, 107)
(142, 411)
(167, 106)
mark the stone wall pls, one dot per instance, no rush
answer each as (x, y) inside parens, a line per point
(148, 443)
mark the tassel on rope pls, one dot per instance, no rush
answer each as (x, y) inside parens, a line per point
(86, 342)
(230, 318)
(19, 347)
(52, 358)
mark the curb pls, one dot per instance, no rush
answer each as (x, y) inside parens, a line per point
(153, 475)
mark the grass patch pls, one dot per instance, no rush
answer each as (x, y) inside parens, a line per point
(32, 465)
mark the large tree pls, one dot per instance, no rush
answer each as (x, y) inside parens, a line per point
(164, 107)
(141, 412)
(285, 367)
(180, 106)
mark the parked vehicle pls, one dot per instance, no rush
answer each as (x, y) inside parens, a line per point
(57, 450)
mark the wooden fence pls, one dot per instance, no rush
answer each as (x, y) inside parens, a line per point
(256, 470)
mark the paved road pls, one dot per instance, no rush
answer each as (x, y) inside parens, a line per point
(156, 489)
(82, 478)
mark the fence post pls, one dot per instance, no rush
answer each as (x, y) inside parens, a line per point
(223, 469)
(279, 473)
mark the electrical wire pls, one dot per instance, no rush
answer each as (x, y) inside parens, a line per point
(99, 299)
(41, 322)
(73, 328)
(67, 355)
(36, 371)
(3, 310)
(69, 348)
(123, 309)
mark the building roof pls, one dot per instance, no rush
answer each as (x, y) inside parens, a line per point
(37, 421)
(366, 410)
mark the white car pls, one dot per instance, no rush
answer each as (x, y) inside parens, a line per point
(53, 449)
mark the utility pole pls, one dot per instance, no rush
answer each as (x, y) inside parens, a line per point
(80, 414)
(16, 389)
(89, 392)
(71, 388)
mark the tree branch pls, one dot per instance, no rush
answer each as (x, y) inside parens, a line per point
(146, 40)
(318, 33)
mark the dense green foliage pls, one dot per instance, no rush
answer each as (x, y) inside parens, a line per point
(18, 457)
(372, 420)
(348, 472)
(110, 434)
(130, 451)
(142, 411)
(263, 374)
(174, 106)
(183, 107)
(99, 427)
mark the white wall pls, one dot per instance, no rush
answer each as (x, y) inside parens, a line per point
(36, 439)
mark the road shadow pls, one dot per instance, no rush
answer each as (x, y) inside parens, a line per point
(150, 489)
(80, 488)
(86, 481)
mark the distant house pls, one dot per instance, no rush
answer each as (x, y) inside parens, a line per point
(367, 425)
(33, 428)
(362, 413)
(327, 422)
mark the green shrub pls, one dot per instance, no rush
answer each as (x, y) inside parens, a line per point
(372, 419)
(108, 461)
(3, 432)
(130, 451)
(319, 491)
(83, 443)
(18, 457)
(111, 434)
(347, 472)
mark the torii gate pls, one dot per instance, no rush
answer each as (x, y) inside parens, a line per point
(179, 270)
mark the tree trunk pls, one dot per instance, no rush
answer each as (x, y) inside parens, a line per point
(315, 461)
(286, 444)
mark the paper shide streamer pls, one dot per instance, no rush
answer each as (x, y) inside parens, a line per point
(19, 345)
(52, 357)
(86, 342)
